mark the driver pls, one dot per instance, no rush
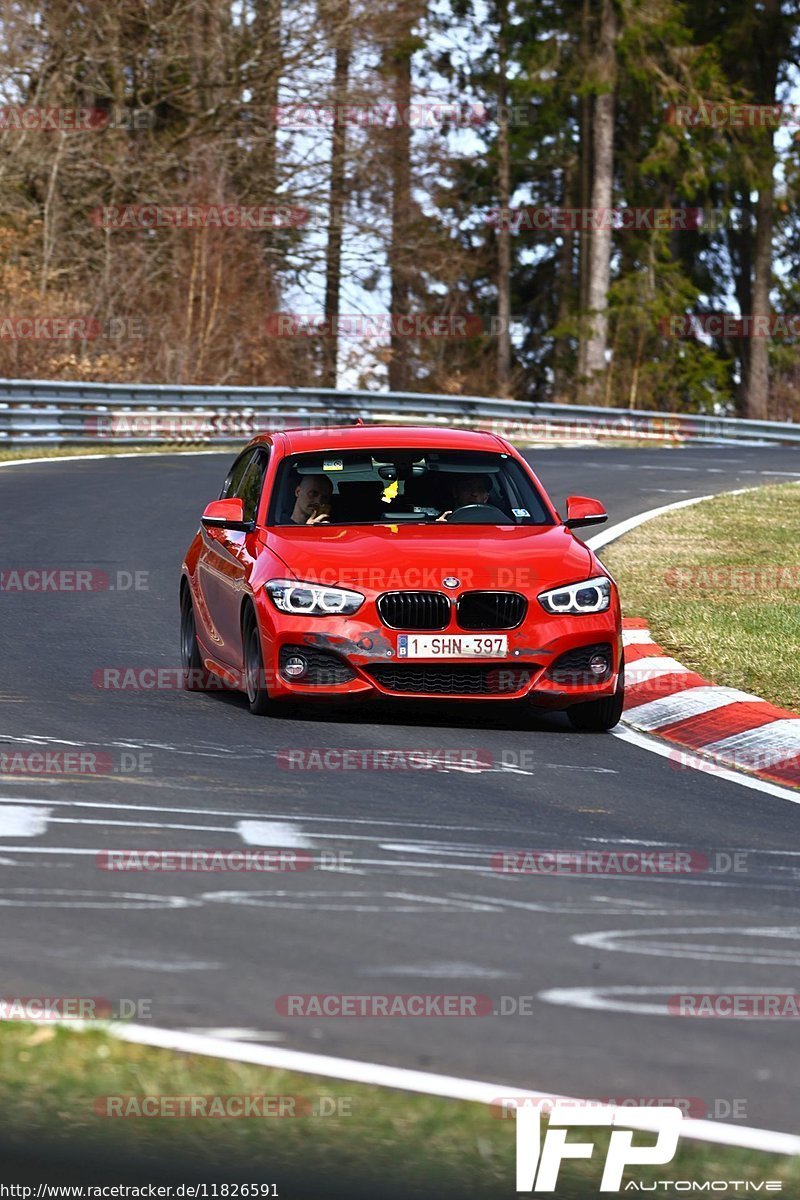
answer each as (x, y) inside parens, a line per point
(468, 489)
(312, 503)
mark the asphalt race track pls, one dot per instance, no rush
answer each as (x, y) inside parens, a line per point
(420, 908)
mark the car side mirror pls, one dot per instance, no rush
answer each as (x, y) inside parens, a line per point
(583, 510)
(226, 514)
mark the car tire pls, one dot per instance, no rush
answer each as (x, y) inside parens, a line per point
(194, 674)
(598, 716)
(255, 683)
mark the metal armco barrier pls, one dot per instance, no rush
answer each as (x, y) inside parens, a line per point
(43, 413)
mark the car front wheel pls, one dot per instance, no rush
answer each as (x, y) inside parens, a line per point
(598, 716)
(255, 676)
(194, 674)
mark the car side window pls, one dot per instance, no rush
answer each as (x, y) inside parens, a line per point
(232, 485)
(250, 489)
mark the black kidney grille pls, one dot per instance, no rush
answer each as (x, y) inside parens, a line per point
(452, 679)
(414, 610)
(491, 610)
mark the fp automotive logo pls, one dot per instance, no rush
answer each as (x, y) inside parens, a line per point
(542, 1162)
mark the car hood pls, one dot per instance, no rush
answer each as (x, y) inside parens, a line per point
(397, 557)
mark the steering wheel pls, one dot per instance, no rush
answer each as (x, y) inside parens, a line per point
(478, 514)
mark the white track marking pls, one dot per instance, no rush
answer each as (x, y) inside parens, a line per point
(637, 637)
(59, 458)
(612, 999)
(424, 867)
(234, 815)
(764, 746)
(140, 824)
(425, 1083)
(652, 667)
(615, 531)
(588, 907)
(222, 812)
(437, 970)
(272, 833)
(345, 902)
(171, 966)
(239, 1035)
(62, 898)
(18, 820)
(687, 703)
(669, 750)
(641, 941)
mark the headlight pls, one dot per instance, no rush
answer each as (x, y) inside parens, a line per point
(590, 596)
(312, 600)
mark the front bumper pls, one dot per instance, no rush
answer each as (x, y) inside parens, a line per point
(358, 657)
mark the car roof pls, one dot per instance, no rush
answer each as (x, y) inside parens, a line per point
(356, 437)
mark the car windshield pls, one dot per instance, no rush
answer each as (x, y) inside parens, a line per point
(405, 486)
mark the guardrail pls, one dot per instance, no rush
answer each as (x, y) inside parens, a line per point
(43, 413)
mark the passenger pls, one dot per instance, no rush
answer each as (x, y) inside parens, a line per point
(312, 505)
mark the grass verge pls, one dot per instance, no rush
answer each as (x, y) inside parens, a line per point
(719, 583)
(22, 453)
(52, 1080)
(19, 453)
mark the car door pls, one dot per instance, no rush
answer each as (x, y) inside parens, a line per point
(216, 566)
(231, 559)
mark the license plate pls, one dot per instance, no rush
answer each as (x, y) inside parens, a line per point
(410, 645)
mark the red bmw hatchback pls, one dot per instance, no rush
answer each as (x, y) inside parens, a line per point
(399, 562)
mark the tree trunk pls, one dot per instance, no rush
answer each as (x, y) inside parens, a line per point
(584, 198)
(602, 191)
(504, 200)
(566, 291)
(400, 150)
(756, 400)
(767, 58)
(333, 262)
